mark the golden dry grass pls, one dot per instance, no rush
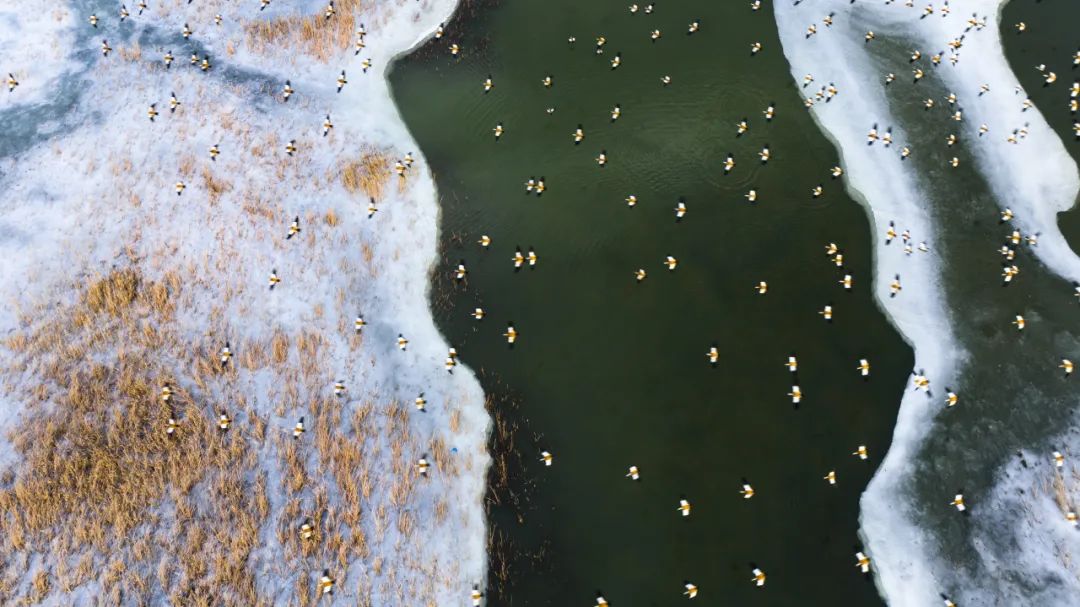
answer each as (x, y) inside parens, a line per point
(105, 494)
(96, 460)
(313, 35)
(368, 175)
(331, 218)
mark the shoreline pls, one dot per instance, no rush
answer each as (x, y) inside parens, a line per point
(883, 203)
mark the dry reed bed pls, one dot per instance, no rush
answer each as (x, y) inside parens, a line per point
(108, 497)
(102, 496)
(313, 35)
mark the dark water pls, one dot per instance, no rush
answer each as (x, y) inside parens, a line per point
(607, 372)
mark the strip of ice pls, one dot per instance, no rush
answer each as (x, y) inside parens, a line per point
(1035, 175)
(103, 195)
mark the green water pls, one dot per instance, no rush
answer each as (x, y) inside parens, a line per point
(608, 372)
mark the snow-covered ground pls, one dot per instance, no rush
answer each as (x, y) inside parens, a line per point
(35, 48)
(100, 195)
(1037, 177)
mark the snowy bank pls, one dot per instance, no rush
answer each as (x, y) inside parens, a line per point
(1035, 175)
(94, 209)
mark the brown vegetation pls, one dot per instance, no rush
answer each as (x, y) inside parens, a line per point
(313, 35)
(368, 175)
(106, 495)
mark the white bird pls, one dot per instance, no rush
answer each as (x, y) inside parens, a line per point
(826, 313)
(729, 163)
(546, 457)
(684, 507)
(958, 502)
(633, 473)
(864, 367)
(759, 577)
(951, 398)
(861, 452)
(795, 394)
(747, 490)
(326, 583)
(691, 590)
(862, 562)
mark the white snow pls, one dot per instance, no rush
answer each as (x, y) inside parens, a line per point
(34, 48)
(1025, 541)
(1036, 177)
(102, 195)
